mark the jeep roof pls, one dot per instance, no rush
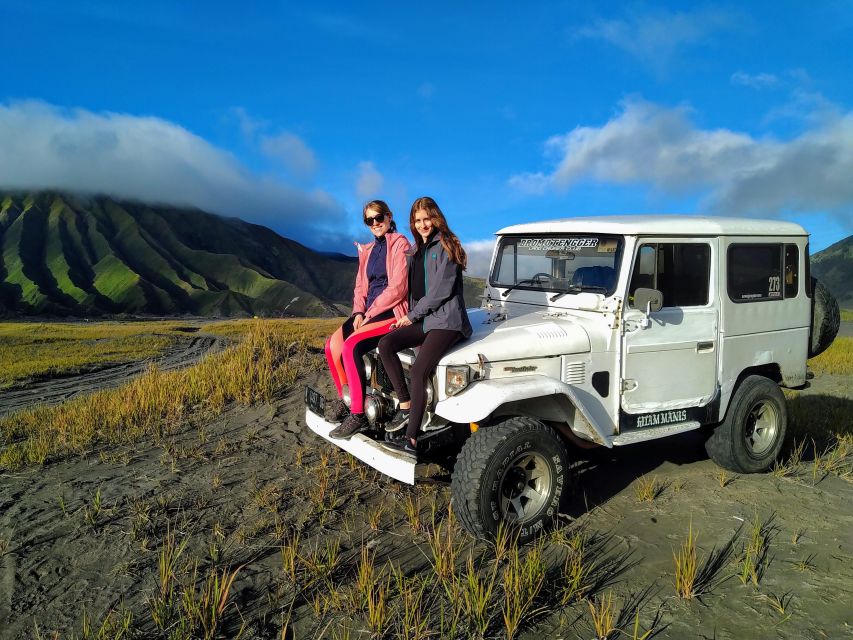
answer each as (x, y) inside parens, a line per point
(680, 225)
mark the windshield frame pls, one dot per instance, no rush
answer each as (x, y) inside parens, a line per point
(568, 290)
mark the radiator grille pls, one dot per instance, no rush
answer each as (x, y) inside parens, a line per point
(380, 377)
(574, 372)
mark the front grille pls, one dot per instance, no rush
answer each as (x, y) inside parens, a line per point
(380, 377)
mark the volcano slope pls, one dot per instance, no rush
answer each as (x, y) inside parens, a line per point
(64, 254)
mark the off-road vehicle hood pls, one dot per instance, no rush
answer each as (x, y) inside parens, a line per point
(532, 335)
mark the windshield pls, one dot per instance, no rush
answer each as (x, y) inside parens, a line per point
(558, 263)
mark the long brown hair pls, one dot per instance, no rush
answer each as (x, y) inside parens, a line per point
(449, 240)
(380, 206)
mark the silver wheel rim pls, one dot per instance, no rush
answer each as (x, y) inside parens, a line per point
(525, 487)
(762, 425)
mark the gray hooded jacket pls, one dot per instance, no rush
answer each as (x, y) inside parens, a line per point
(443, 306)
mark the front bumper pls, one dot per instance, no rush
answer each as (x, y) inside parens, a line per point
(371, 452)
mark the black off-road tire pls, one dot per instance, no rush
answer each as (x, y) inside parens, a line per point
(750, 437)
(826, 318)
(489, 464)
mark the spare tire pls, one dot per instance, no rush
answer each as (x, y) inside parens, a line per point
(826, 318)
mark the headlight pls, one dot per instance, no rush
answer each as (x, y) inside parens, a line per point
(456, 378)
(430, 394)
(368, 367)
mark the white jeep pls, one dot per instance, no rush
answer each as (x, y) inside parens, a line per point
(606, 332)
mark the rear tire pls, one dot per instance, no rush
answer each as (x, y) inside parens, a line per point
(750, 437)
(826, 318)
(513, 472)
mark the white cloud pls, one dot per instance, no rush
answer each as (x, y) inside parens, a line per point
(479, 256)
(755, 81)
(736, 173)
(369, 181)
(153, 160)
(656, 37)
(249, 126)
(291, 152)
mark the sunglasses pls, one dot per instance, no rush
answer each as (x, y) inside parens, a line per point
(379, 218)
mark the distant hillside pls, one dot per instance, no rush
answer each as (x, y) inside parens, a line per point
(834, 266)
(472, 289)
(68, 255)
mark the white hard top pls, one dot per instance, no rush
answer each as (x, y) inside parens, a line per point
(661, 225)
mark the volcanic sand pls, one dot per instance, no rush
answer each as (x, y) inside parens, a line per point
(247, 479)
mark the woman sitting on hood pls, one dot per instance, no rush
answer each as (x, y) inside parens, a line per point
(379, 300)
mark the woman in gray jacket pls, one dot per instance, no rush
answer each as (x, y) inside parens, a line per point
(435, 322)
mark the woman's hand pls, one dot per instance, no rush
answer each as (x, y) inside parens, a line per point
(357, 321)
(402, 322)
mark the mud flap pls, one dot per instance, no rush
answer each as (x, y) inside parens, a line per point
(395, 465)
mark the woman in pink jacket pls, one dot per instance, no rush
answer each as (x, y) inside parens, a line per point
(379, 300)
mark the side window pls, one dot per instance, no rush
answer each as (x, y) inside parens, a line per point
(755, 272)
(680, 271)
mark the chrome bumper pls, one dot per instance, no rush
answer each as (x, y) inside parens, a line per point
(394, 465)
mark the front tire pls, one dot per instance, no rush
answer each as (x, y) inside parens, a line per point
(513, 472)
(750, 437)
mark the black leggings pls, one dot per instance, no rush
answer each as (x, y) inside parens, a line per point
(434, 344)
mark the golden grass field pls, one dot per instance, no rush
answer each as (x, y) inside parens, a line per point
(37, 350)
(209, 512)
(33, 350)
(155, 402)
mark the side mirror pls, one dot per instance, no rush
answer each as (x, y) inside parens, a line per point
(648, 299)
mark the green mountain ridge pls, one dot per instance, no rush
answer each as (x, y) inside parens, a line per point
(71, 255)
(62, 254)
(834, 267)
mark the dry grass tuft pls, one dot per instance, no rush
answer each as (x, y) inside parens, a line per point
(648, 489)
(523, 579)
(753, 560)
(603, 616)
(686, 566)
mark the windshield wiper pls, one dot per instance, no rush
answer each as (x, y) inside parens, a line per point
(518, 284)
(578, 288)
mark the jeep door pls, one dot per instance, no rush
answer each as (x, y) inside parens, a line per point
(669, 357)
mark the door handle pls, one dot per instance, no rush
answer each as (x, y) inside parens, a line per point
(704, 347)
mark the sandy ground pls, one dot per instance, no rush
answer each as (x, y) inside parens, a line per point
(58, 389)
(249, 479)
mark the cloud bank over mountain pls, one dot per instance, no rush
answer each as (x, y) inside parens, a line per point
(155, 160)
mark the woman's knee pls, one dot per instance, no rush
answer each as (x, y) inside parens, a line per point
(386, 346)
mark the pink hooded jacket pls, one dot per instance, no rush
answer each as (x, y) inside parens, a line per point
(395, 295)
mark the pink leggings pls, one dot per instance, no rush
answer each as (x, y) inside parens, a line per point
(345, 350)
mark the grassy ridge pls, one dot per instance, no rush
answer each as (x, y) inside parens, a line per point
(265, 363)
(66, 254)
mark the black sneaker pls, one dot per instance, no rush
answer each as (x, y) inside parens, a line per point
(399, 421)
(401, 445)
(337, 411)
(353, 423)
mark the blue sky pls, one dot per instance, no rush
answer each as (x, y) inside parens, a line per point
(293, 115)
